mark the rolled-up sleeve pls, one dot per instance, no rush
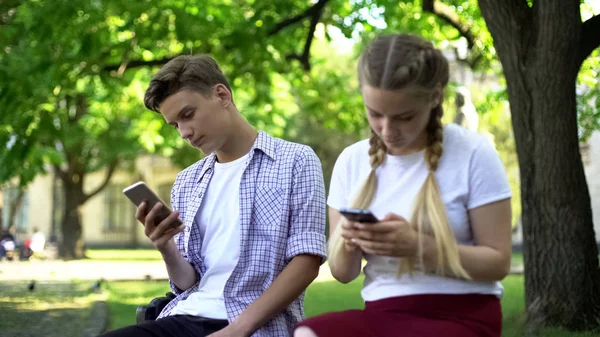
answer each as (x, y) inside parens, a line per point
(307, 227)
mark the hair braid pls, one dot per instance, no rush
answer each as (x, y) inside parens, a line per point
(429, 216)
(435, 132)
(377, 154)
(377, 151)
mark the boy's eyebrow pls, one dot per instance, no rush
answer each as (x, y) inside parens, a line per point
(183, 110)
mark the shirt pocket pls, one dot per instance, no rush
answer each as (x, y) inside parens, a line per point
(268, 203)
(268, 215)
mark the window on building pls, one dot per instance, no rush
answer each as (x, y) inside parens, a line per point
(21, 220)
(119, 211)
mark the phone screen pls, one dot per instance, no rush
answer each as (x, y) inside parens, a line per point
(140, 192)
(359, 215)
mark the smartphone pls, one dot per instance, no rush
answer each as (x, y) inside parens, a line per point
(359, 215)
(140, 192)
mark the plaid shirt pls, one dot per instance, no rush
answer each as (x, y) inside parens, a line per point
(282, 213)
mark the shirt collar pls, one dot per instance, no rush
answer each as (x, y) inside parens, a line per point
(264, 142)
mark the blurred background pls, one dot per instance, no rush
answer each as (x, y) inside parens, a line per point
(74, 260)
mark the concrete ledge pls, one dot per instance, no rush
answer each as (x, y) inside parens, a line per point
(98, 321)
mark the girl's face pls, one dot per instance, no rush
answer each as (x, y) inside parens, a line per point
(399, 118)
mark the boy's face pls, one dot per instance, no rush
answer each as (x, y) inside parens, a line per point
(201, 119)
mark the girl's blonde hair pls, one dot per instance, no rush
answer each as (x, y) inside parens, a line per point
(395, 62)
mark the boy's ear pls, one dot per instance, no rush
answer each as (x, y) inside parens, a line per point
(222, 94)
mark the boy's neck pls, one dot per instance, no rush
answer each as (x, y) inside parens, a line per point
(240, 141)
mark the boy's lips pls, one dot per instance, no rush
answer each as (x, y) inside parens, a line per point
(198, 142)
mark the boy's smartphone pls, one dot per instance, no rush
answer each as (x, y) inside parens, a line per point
(140, 192)
(359, 215)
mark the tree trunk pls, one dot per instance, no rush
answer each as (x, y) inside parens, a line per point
(72, 243)
(538, 51)
(14, 208)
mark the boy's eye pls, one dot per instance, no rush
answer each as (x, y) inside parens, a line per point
(188, 114)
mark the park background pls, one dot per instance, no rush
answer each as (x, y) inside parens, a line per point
(72, 78)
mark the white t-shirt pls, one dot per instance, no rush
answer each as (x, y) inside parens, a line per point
(219, 221)
(470, 174)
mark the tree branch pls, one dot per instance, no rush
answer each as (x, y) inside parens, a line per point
(305, 57)
(314, 13)
(111, 169)
(137, 64)
(446, 13)
(590, 38)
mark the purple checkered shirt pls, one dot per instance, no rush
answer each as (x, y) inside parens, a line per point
(282, 213)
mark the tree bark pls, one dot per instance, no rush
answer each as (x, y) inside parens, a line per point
(72, 245)
(14, 208)
(538, 50)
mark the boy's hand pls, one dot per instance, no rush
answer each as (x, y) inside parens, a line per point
(160, 234)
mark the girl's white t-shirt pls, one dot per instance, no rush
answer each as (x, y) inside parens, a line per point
(470, 174)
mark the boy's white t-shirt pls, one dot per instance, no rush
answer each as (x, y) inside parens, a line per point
(470, 174)
(219, 221)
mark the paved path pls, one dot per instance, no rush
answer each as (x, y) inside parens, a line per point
(108, 270)
(92, 270)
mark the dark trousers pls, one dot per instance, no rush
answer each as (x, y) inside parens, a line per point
(171, 326)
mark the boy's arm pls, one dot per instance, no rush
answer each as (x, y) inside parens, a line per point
(306, 248)
(286, 288)
(183, 271)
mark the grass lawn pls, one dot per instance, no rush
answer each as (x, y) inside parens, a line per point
(52, 309)
(322, 297)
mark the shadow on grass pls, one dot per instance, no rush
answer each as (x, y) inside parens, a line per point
(53, 310)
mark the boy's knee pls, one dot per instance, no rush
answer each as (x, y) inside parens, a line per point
(304, 331)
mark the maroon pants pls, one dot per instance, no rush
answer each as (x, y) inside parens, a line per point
(470, 315)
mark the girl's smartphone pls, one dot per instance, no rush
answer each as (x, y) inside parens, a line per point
(140, 192)
(359, 215)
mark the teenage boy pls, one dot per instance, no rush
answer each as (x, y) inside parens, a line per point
(247, 235)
